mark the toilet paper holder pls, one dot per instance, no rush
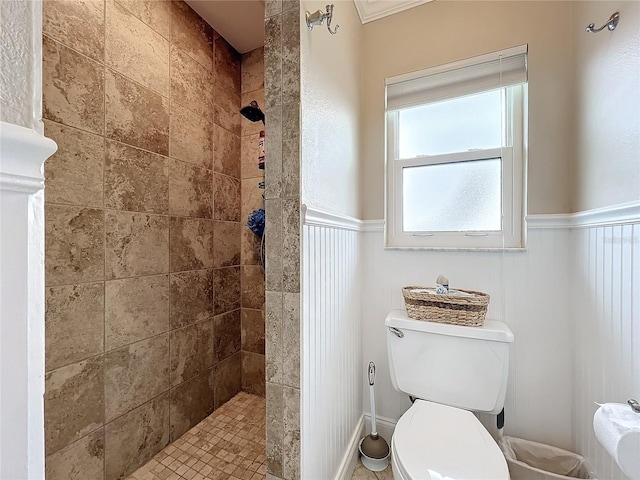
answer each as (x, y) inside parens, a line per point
(635, 406)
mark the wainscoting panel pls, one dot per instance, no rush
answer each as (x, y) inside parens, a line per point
(332, 363)
(529, 291)
(606, 316)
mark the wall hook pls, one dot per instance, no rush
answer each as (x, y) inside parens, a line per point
(611, 24)
(317, 18)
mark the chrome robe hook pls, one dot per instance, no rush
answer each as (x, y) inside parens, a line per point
(317, 18)
(611, 24)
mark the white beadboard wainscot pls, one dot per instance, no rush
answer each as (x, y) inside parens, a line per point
(606, 321)
(332, 362)
(529, 292)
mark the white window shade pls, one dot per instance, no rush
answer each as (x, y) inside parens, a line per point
(486, 72)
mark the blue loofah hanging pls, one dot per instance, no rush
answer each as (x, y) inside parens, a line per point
(255, 222)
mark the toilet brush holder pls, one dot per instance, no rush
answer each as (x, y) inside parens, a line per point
(374, 450)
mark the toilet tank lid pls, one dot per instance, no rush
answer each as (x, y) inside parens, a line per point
(492, 330)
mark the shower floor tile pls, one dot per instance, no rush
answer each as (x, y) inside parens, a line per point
(229, 444)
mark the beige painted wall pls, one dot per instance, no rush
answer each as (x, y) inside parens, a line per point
(607, 115)
(330, 101)
(20, 63)
(445, 31)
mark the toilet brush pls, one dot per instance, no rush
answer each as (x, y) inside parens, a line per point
(374, 449)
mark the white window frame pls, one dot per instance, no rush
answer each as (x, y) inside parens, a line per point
(513, 157)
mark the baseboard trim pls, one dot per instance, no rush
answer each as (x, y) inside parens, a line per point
(348, 464)
(384, 425)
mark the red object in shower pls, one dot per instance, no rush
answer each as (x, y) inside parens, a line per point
(261, 151)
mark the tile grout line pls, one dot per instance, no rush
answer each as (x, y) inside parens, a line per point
(104, 247)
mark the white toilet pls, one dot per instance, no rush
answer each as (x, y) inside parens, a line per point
(451, 370)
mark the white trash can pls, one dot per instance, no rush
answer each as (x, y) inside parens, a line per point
(536, 461)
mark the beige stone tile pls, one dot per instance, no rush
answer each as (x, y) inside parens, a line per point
(226, 335)
(252, 287)
(135, 374)
(273, 336)
(191, 351)
(253, 70)
(191, 244)
(190, 190)
(226, 289)
(291, 339)
(136, 244)
(135, 50)
(228, 64)
(227, 107)
(191, 34)
(253, 380)
(74, 323)
(275, 430)
(73, 175)
(191, 402)
(191, 297)
(73, 403)
(74, 244)
(247, 126)
(227, 380)
(226, 244)
(288, 5)
(135, 308)
(191, 84)
(291, 438)
(249, 147)
(362, 473)
(290, 56)
(79, 24)
(291, 246)
(136, 115)
(155, 13)
(272, 7)
(73, 90)
(226, 192)
(191, 137)
(253, 330)
(273, 153)
(136, 437)
(386, 474)
(251, 198)
(274, 236)
(273, 61)
(291, 150)
(135, 180)
(250, 247)
(81, 460)
(226, 152)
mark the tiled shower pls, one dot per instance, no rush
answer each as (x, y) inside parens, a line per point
(154, 288)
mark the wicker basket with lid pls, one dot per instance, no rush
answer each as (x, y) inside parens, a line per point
(458, 307)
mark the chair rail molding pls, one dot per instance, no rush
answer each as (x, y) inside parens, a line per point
(22, 154)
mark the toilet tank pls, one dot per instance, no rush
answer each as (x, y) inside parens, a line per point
(464, 367)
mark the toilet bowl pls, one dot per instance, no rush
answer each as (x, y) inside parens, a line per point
(451, 371)
(438, 442)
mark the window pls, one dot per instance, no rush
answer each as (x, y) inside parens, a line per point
(456, 154)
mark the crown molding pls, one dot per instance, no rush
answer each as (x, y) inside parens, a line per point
(370, 10)
(22, 155)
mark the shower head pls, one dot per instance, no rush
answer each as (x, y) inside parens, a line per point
(252, 112)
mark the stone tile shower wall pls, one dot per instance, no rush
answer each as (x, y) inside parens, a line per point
(143, 232)
(252, 199)
(282, 99)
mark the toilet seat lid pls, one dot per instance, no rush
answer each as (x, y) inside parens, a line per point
(438, 442)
